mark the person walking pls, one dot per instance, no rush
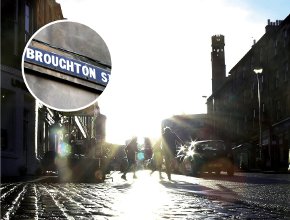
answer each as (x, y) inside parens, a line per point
(131, 150)
(147, 149)
(169, 139)
(157, 159)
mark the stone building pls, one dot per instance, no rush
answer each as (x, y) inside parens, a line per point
(254, 108)
(19, 20)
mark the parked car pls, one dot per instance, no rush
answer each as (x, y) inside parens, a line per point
(207, 156)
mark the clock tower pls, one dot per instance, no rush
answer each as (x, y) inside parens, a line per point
(218, 62)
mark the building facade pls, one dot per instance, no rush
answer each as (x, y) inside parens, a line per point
(255, 108)
(20, 19)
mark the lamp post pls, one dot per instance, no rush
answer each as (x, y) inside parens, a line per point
(258, 72)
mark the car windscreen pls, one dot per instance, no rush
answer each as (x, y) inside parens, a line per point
(211, 146)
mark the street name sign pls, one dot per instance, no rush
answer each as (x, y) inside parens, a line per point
(67, 65)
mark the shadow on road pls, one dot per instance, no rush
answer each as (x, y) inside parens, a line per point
(223, 192)
(245, 179)
(123, 186)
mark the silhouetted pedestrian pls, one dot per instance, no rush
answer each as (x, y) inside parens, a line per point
(157, 159)
(169, 139)
(131, 150)
(147, 149)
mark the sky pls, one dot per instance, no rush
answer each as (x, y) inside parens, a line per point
(161, 53)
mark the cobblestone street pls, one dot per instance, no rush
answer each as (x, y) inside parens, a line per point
(144, 198)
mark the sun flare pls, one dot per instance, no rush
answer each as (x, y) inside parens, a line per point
(144, 199)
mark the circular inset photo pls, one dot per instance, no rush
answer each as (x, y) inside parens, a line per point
(66, 65)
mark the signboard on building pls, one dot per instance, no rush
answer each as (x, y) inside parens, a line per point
(67, 65)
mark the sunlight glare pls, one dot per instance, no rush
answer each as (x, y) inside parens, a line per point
(161, 72)
(144, 199)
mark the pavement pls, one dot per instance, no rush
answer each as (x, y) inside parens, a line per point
(144, 198)
(15, 179)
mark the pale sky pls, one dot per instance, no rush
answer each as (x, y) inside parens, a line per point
(161, 53)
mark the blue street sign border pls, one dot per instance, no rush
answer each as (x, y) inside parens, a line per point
(100, 72)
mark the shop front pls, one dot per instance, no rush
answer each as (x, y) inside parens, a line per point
(281, 145)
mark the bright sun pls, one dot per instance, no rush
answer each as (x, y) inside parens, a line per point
(118, 130)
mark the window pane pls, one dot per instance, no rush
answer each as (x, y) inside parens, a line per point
(27, 19)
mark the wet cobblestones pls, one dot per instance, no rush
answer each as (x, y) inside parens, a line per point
(145, 198)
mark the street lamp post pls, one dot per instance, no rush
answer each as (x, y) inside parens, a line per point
(258, 72)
